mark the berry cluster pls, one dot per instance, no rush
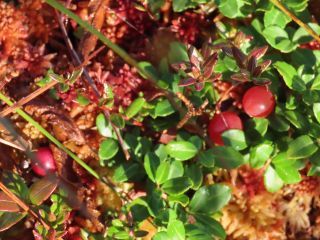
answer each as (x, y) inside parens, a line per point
(258, 101)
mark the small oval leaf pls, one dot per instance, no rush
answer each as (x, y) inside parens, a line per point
(7, 204)
(108, 149)
(301, 147)
(135, 107)
(181, 150)
(42, 189)
(210, 199)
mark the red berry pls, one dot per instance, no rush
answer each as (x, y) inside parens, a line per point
(258, 102)
(44, 162)
(222, 122)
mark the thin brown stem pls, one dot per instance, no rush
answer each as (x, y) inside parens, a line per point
(27, 99)
(297, 20)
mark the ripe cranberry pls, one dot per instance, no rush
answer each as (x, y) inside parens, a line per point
(222, 122)
(258, 102)
(44, 162)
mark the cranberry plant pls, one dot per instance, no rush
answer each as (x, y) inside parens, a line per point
(250, 95)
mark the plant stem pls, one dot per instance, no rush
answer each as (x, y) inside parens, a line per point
(49, 136)
(297, 20)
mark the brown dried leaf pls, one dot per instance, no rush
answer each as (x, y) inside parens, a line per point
(97, 17)
(62, 126)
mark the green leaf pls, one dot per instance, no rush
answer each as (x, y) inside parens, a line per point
(176, 230)
(301, 147)
(316, 83)
(302, 36)
(260, 154)
(181, 150)
(148, 68)
(296, 5)
(42, 189)
(82, 100)
(230, 8)
(206, 158)
(256, 128)
(135, 107)
(276, 17)
(16, 184)
(177, 186)
(227, 157)
(160, 236)
(117, 120)
(7, 204)
(272, 181)
(126, 171)
(103, 126)
(210, 225)
(108, 149)
(288, 173)
(175, 170)
(182, 199)
(316, 111)
(278, 38)
(178, 53)
(194, 172)
(151, 163)
(181, 5)
(163, 108)
(210, 199)
(162, 172)
(234, 138)
(315, 158)
(8, 219)
(296, 118)
(279, 123)
(290, 76)
(121, 235)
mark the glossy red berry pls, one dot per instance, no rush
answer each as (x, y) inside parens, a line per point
(44, 162)
(258, 102)
(222, 122)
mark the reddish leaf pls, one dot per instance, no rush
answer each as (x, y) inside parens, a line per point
(8, 219)
(261, 68)
(181, 66)
(262, 81)
(187, 82)
(209, 64)
(42, 189)
(227, 51)
(216, 76)
(240, 39)
(199, 86)
(240, 77)
(252, 64)
(238, 56)
(258, 52)
(7, 204)
(206, 50)
(194, 56)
